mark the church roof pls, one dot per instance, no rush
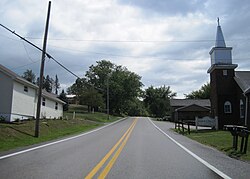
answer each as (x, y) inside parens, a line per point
(242, 78)
(220, 42)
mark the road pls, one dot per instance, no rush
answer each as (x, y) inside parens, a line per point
(131, 148)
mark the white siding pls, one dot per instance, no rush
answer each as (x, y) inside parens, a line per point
(23, 103)
(49, 111)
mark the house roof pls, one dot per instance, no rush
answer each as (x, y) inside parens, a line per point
(52, 96)
(16, 77)
(189, 102)
(23, 81)
(192, 108)
(242, 78)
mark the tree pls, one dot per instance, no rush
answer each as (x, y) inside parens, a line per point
(48, 83)
(124, 86)
(157, 100)
(77, 88)
(92, 98)
(56, 85)
(63, 97)
(202, 93)
(29, 76)
(97, 74)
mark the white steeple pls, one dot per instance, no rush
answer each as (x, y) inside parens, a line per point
(221, 55)
(220, 42)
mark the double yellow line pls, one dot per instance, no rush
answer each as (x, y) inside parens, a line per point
(123, 140)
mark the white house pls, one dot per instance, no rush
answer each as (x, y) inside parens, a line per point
(18, 98)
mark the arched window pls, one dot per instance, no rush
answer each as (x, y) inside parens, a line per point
(227, 107)
(242, 109)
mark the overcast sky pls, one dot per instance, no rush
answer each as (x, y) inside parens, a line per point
(165, 42)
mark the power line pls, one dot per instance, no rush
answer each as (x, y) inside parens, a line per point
(25, 65)
(48, 55)
(130, 56)
(136, 41)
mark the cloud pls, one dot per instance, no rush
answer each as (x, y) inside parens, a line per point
(165, 42)
(173, 7)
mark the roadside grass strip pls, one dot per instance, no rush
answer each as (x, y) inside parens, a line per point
(58, 141)
(211, 167)
(115, 152)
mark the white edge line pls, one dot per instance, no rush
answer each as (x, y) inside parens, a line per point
(59, 141)
(220, 173)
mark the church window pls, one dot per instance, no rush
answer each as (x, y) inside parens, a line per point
(227, 107)
(224, 72)
(242, 109)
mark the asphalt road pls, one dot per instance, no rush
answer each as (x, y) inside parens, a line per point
(132, 148)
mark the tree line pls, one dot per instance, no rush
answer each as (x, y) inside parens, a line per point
(107, 82)
(124, 88)
(49, 84)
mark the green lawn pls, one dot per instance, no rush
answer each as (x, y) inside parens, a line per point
(22, 134)
(81, 112)
(221, 140)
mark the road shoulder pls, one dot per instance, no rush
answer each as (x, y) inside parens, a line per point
(216, 158)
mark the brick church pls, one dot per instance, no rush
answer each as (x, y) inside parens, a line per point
(230, 89)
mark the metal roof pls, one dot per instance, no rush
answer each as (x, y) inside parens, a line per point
(220, 42)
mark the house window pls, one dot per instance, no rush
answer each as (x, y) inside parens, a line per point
(56, 106)
(242, 109)
(227, 107)
(25, 88)
(43, 103)
(224, 72)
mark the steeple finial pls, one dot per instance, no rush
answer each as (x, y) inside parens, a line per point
(220, 42)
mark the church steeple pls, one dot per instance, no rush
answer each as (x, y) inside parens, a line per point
(220, 42)
(220, 55)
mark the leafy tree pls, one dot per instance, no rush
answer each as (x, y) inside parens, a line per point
(157, 100)
(202, 93)
(124, 86)
(63, 97)
(135, 107)
(77, 88)
(97, 74)
(92, 98)
(29, 76)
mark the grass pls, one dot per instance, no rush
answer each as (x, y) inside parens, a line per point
(81, 112)
(21, 134)
(221, 140)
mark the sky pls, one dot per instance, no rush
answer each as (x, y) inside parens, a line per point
(164, 42)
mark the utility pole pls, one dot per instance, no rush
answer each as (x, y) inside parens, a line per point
(41, 74)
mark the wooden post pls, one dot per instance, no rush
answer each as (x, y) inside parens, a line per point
(41, 74)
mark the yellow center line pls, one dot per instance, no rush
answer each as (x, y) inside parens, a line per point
(106, 157)
(116, 155)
